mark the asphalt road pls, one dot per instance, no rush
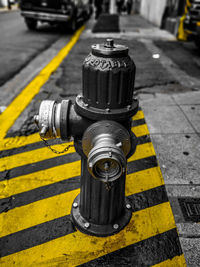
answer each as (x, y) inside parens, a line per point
(18, 45)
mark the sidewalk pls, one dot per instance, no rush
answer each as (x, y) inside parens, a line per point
(173, 118)
(5, 9)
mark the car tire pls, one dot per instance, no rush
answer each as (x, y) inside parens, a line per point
(31, 24)
(73, 24)
(197, 41)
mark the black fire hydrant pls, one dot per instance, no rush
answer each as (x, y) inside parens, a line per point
(100, 124)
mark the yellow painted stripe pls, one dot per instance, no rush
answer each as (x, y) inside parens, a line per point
(143, 151)
(178, 261)
(18, 141)
(135, 183)
(40, 154)
(33, 156)
(37, 212)
(144, 180)
(78, 248)
(12, 112)
(140, 130)
(52, 175)
(138, 116)
(41, 178)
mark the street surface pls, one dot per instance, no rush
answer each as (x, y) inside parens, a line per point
(18, 46)
(31, 177)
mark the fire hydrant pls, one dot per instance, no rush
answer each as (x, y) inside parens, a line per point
(100, 123)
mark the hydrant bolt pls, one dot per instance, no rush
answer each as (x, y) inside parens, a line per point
(75, 205)
(116, 226)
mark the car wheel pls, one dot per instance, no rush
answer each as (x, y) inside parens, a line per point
(197, 41)
(73, 24)
(31, 24)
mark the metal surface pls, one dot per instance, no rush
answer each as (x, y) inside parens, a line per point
(45, 16)
(95, 113)
(190, 208)
(106, 144)
(101, 230)
(110, 49)
(46, 119)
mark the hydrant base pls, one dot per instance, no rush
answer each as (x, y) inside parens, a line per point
(100, 230)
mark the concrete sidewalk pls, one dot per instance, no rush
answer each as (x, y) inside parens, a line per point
(5, 9)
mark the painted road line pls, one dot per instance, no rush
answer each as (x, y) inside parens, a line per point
(8, 187)
(78, 248)
(38, 179)
(142, 181)
(138, 116)
(22, 214)
(13, 111)
(140, 130)
(30, 157)
(36, 213)
(19, 141)
(178, 261)
(39, 193)
(144, 253)
(62, 226)
(143, 151)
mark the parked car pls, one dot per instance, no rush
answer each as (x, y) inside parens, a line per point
(192, 21)
(65, 12)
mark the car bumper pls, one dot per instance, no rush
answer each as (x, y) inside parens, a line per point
(45, 16)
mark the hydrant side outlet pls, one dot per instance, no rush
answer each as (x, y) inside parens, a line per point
(100, 123)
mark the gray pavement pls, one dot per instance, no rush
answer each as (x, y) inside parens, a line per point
(170, 99)
(18, 45)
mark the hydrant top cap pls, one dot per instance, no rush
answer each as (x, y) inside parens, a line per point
(109, 49)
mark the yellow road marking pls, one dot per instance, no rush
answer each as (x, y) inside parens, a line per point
(37, 212)
(143, 180)
(40, 154)
(143, 151)
(178, 261)
(135, 183)
(38, 179)
(138, 116)
(12, 112)
(78, 248)
(30, 157)
(140, 130)
(52, 175)
(18, 141)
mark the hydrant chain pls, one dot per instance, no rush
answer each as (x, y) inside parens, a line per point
(53, 150)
